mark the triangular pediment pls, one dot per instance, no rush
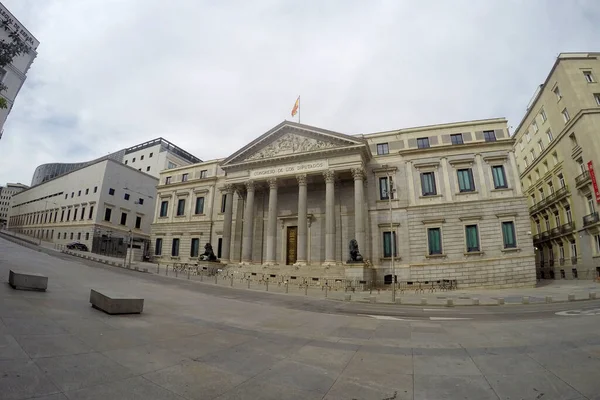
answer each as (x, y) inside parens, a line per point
(290, 139)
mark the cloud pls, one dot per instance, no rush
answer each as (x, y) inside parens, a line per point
(211, 76)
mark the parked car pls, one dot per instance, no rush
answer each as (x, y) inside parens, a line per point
(77, 246)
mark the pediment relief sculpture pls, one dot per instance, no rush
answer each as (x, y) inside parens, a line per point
(290, 144)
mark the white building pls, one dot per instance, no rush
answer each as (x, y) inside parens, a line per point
(6, 194)
(100, 205)
(13, 75)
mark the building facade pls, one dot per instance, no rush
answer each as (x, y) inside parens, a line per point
(100, 205)
(445, 200)
(13, 75)
(6, 194)
(557, 153)
(150, 157)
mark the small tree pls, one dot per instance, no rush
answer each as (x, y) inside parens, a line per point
(9, 49)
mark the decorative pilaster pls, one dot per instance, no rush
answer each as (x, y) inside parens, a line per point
(248, 224)
(446, 178)
(482, 182)
(302, 220)
(513, 166)
(272, 223)
(359, 198)
(227, 222)
(329, 217)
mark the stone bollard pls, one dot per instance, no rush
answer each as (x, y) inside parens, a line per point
(326, 291)
(216, 279)
(157, 269)
(176, 273)
(267, 281)
(167, 270)
(548, 299)
(423, 301)
(231, 283)
(571, 297)
(449, 303)
(475, 301)
(592, 296)
(248, 283)
(201, 278)
(372, 299)
(189, 272)
(145, 269)
(525, 300)
(398, 300)
(306, 289)
(287, 287)
(500, 301)
(347, 297)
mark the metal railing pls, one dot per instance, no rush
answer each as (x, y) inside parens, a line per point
(590, 219)
(567, 228)
(548, 201)
(583, 178)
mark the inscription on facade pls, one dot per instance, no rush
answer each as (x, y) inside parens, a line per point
(289, 169)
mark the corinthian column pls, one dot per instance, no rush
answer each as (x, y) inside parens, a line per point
(329, 217)
(227, 222)
(359, 221)
(272, 223)
(302, 220)
(248, 223)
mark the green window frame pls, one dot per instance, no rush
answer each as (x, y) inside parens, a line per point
(199, 209)
(472, 238)
(428, 184)
(195, 247)
(387, 244)
(434, 240)
(508, 234)
(499, 177)
(164, 206)
(465, 180)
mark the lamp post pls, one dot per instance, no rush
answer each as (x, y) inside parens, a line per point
(130, 246)
(392, 238)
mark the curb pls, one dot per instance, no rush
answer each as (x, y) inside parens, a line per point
(106, 262)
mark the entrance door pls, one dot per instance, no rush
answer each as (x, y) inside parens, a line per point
(292, 245)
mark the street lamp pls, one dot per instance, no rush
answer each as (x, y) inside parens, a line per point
(392, 236)
(130, 246)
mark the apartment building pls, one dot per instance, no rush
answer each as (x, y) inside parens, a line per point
(6, 194)
(557, 150)
(289, 203)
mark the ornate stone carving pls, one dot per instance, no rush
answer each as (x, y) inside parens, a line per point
(227, 189)
(249, 186)
(301, 179)
(358, 174)
(329, 176)
(272, 183)
(290, 143)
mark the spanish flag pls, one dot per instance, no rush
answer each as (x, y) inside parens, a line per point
(296, 107)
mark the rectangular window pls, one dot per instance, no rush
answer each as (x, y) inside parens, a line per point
(95, 189)
(528, 137)
(489, 136)
(147, 168)
(535, 127)
(91, 212)
(171, 165)
(434, 240)
(499, 177)
(565, 115)
(557, 93)
(456, 138)
(508, 234)
(123, 218)
(573, 249)
(87, 191)
(543, 115)
(72, 194)
(423, 143)
(141, 158)
(158, 246)
(87, 236)
(223, 202)
(164, 205)
(568, 214)
(66, 196)
(180, 207)
(199, 209)
(167, 180)
(597, 241)
(78, 235)
(68, 214)
(588, 76)
(126, 161)
(79, 193)
(111, 191)
(184, 177)
(62, 216)
(138, 222)
(547, 222)
(428, 184)
(107, 214)
(203, 173)
(465, 180)
(590, 204)
(549, 135)
(597, 98)
(58, 235)
(389, 243)
(82, 213)
(382, 148)
(384, 189)
(541, 146)
(561, 180)
(126, 196)
(71, 235)
(195, 247)
(557, 219)
(150, 155)
(175, 248)
(472, 238)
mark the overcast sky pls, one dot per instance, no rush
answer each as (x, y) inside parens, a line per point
(211, 76)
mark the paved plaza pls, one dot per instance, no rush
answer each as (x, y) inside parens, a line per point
(196, 340)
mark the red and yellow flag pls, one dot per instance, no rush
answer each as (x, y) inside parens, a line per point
(296, 107)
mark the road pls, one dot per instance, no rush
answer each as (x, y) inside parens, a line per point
(202, 341)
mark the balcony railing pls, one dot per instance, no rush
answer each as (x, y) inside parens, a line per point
(582, 179)
(552, 198)
(591, 219)
(555, 232)
(567, 228)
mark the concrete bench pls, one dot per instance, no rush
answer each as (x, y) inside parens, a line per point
(114, 303)
(27, 281)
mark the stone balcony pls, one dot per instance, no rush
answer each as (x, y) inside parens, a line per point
(583, 179)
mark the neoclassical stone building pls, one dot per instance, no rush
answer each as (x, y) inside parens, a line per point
(290, 202)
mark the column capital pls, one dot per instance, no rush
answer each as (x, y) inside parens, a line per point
(358, 174)
(301, 179)
(249, 185)
(272, 183)
(227, 188)
(329, 176)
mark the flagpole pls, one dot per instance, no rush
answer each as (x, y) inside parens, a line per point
(299, 109)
